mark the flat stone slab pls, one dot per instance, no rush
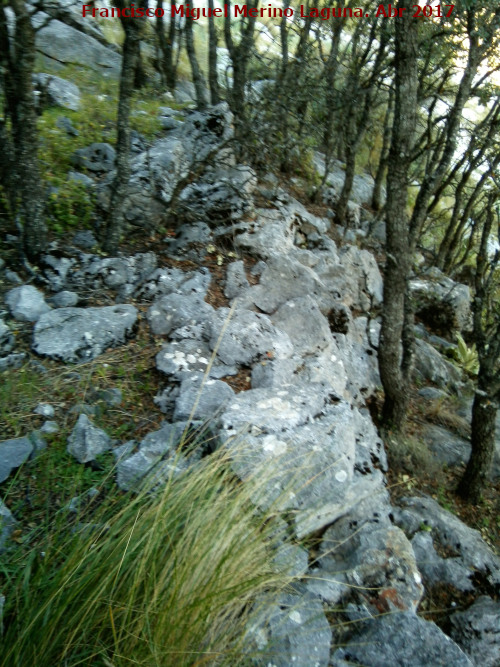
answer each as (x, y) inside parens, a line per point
(81, 334)
(14, 453)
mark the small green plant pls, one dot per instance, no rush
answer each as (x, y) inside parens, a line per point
(70, 205)
(466, 357)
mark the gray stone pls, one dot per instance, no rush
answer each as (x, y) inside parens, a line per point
(184, 92)
(450, 448)
(64, 299)
(153, 448)
(247, 337)
(354, 275)
(64, 123)
(290, 631)
(96, 157)
(26, 303)
(220, 196)
(86, 441)
(375, 562)
(88, 182)
(112, 397)
(177, 310)
(14, 453)
(190, 241)
(65, 44)
(450, 533)
(442, 304)
(400, 640)
(432, 393)
(155, 174)
(59, 92)
(12, 361)
(431, 366)
(80, 334)
(477, 631)
(45, 410)
(436, 570)
(236, 280)
(169, 123)
(84, 239)
(291, 560)
(273, 372)
(359, 360)
(49, 428)
(56, 270)
(7, 340)
(13, 277)
(271, 411)
(166, 281)
(7, 523)
(270, 233)
(178, 358)
(201, 397)
(307, 328)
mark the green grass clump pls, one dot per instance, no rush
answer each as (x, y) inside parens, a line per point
(166, 578)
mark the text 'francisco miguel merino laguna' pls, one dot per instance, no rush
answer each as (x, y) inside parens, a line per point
(324, 13)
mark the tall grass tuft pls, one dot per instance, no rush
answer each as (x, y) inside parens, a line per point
(167, 577)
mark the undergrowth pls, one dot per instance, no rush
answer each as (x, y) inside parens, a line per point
(169, 577)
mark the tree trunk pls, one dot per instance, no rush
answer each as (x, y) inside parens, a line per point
(198, 78)
(166, 45)
(213, 80)
(114, 228)
(376, 202)
(22, 113)
(394, 367)
(483, 426)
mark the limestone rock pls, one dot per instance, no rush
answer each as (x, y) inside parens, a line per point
(26, 303)
(80, 334)
(86, 441)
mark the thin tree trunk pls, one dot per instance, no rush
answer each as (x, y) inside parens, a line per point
(119, 188)
(168, 67)
(196, 73)
(213, 80)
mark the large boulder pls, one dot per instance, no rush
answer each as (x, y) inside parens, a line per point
(442, 304)
(65, 44)
(81, 334)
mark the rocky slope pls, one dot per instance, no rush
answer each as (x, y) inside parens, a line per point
(281, 365)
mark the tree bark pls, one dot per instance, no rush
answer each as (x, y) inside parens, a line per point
(393, 365)
(197, 75)
(213, 80)
(483, 425)
(114, 228)
(18, 59)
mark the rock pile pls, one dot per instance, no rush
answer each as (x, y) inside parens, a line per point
(300, 327)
